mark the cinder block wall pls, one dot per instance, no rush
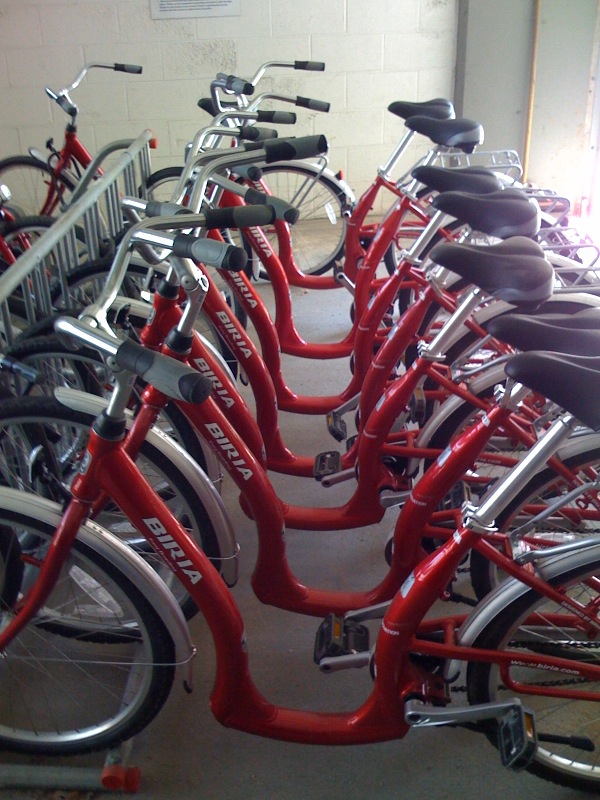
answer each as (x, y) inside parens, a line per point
(375, 52)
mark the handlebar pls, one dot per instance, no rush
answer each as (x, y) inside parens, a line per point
(62, 95)
(171, 377)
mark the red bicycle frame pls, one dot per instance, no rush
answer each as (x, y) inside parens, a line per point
(236, 701)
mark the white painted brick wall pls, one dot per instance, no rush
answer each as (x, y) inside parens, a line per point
(376, 51)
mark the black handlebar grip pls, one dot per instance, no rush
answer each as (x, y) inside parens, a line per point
(235, 84)
(314, 105)
(283, 209)
(209, 251)
(169, 376)
(239, 216)
(249, 171)
(311, 66)
(134, 69)
(277, 117)
(253, 133)
(302, 147)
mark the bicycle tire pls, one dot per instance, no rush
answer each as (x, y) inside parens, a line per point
(84, 370)
(66, 695)
(514, 626)
(319, 235)
(27, 423)
(160, 185)
(29, 180)
(316, 244)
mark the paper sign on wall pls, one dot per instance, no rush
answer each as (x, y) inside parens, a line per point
(165, 9)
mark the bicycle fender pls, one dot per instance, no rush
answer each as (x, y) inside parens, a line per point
(145, 579)
(509, 590)
(329, 174)
(198, 479)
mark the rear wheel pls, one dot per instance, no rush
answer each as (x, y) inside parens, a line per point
(533, 625)
(31, 186)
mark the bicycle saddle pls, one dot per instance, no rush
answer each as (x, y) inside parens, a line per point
(438, 108)
(504, 213)
(573, 382)
(514, 270)
(464, 134)
(477, 180)
(545, 332)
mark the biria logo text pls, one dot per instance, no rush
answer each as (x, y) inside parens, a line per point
(218, 388)
(248, 296)
(234, 333)
(229, 450)
(180, 561)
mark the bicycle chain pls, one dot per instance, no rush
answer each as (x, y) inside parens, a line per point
(548, 684)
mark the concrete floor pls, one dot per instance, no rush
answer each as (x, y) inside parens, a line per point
(186, 753)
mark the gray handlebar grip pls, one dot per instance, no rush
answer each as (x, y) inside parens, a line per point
(209, 251)
(239, 217)
(283, 210)
(314, 105)
(66, 105)
(134, 69)
(277, 117)
(156, 208)
(311, 66)
(302, 147)
(169, 376)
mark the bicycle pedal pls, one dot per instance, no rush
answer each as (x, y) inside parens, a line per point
(337, 637)
(336, 426)
(350, 442)
(517, 738)
(327, 463)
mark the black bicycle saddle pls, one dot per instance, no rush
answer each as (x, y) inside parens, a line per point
(550, 332)
(476, 180)
(573, 382)
(504, 213)
(438, 108)
(464, 134)
(514, 270)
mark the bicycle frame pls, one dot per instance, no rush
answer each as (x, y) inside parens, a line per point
(235, 701)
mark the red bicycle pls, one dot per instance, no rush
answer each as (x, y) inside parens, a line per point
(538, 622)
(41, 184)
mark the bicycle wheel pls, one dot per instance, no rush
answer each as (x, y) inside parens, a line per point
(85, 371)
(160, 185)
(319, 235)
(526, 623)
(42, 444)
(31, 185)
(68, 694)
(577, 518)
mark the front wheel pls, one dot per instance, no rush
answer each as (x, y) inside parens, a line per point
(63, 689)
(529, 624)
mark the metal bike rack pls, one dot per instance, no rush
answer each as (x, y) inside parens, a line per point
(95, 209)
(96, 214)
